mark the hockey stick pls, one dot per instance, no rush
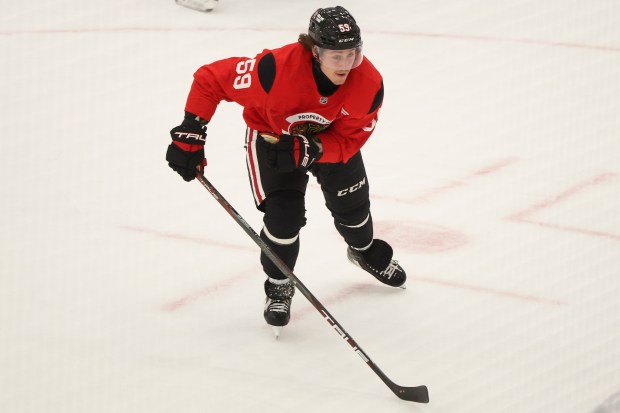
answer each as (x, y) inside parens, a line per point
(417, 394)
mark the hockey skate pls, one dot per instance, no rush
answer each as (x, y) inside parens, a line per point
(377, 260)
(200, 5)
(278, 303)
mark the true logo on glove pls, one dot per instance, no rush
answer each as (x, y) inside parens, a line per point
(189, 135)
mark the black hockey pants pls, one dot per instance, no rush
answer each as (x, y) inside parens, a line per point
(281, 196)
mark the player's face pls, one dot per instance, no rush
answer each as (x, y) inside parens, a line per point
(336, 64)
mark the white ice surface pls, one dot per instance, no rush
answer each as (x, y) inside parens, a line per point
(494, 171)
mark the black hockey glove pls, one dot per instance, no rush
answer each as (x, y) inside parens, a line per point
(186, 154)
(289, 152)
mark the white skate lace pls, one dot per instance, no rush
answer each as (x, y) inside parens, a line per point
(278, 306)
(390, 270)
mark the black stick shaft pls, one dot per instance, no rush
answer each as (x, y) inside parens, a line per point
(415, 394)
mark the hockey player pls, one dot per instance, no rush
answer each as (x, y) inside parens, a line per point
(309, 106)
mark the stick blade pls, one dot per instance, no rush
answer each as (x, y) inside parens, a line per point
(417, 394)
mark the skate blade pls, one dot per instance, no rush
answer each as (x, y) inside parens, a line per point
(276, 331)
(200, 5)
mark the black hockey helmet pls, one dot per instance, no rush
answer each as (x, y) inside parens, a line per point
(334, 28)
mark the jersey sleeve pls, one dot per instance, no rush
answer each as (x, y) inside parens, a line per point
(232, 80)
(346, 136)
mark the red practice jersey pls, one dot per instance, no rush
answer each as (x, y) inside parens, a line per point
(279, 94)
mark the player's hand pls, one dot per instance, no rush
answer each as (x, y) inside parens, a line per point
(186, 154)
(289, 152)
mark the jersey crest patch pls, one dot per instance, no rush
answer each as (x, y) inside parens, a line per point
(308, 122)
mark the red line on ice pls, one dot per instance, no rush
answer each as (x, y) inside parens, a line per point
(210, 290)
(454, 184)
(524, 215)
(486, 290)
(181, 237)
(340, 296)
(348, 292)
